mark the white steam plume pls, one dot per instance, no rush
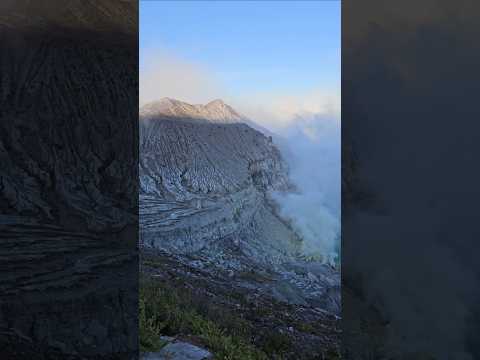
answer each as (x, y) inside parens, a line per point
(311, 146)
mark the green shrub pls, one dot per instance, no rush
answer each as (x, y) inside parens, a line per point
(174, 311)
(149, 330)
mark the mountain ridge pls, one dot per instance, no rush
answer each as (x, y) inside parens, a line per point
(216, 111)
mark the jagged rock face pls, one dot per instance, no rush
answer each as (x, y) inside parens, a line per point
(205, 184)
(205, 177)
(68, 139)
(68, 180)
(205, 155)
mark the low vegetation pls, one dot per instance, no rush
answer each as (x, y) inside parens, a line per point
(232, 323)
(166, 310)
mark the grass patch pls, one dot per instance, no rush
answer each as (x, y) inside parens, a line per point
(174, 311)
(150, 330)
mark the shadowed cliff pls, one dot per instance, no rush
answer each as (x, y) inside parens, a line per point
(68, 181)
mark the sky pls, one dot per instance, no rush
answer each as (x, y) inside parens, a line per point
(269, 59)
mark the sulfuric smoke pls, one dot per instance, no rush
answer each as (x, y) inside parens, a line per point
(311, 147)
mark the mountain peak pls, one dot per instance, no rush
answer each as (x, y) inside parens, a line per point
(214, 111)
(166, 101)
(216, 103)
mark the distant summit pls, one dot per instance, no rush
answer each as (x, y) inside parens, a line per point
(215, 111)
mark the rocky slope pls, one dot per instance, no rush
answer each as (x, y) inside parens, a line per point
(68, 180)
(205, 184)
(204, 178)
(282, 313)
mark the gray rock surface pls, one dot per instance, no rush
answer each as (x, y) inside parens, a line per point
(68, 179)
(205, 179)
(179, 350)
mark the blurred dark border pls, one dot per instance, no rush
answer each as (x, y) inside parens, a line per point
(69, 179)
(410, 179)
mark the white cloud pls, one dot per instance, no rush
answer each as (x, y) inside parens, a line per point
(279, 111)
(164, 74)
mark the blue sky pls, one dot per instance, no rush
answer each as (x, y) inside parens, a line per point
(246, 47)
